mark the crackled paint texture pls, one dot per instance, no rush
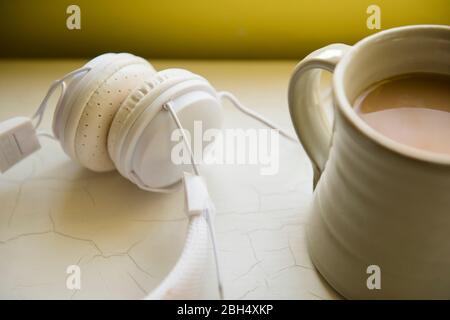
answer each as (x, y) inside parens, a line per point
(53, 213)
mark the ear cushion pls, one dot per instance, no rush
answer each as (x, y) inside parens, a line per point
(92, 104)
(134, 104)
(94, 124)
(71, 88)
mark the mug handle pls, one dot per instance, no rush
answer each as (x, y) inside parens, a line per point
(311, 103)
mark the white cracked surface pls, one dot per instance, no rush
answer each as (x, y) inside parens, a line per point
(53, 213)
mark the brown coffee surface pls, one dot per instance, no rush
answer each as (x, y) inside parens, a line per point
(412, 109)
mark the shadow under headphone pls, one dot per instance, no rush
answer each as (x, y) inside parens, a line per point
(118, 112)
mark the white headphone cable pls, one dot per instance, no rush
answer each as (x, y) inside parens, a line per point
(231, 97)
(209, 211)
(175, 118)
(41, 133)
(43, 106)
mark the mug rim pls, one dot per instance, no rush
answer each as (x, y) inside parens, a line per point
(344, 105)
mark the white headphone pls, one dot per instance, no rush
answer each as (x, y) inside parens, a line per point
(118, 112)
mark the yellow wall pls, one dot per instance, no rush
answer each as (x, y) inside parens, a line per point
(200, 29)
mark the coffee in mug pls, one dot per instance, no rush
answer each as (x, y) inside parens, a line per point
(413, 109)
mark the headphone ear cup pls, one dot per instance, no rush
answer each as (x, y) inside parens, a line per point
(98, 114)
(131, 107)
(61, 110)
(92, 105)
(141, 145)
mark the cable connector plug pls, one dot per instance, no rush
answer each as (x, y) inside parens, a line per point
(18, 139)
(196, 194)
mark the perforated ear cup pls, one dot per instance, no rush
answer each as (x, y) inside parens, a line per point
(98, 114)
(71, 88)
(62, 109)
(151, 87)
(89, 110)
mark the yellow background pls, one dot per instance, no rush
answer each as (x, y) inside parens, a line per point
(199, 29)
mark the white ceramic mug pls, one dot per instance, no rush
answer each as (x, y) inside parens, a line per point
(380, 215)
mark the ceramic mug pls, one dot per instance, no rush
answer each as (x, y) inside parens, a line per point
(379, 225)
